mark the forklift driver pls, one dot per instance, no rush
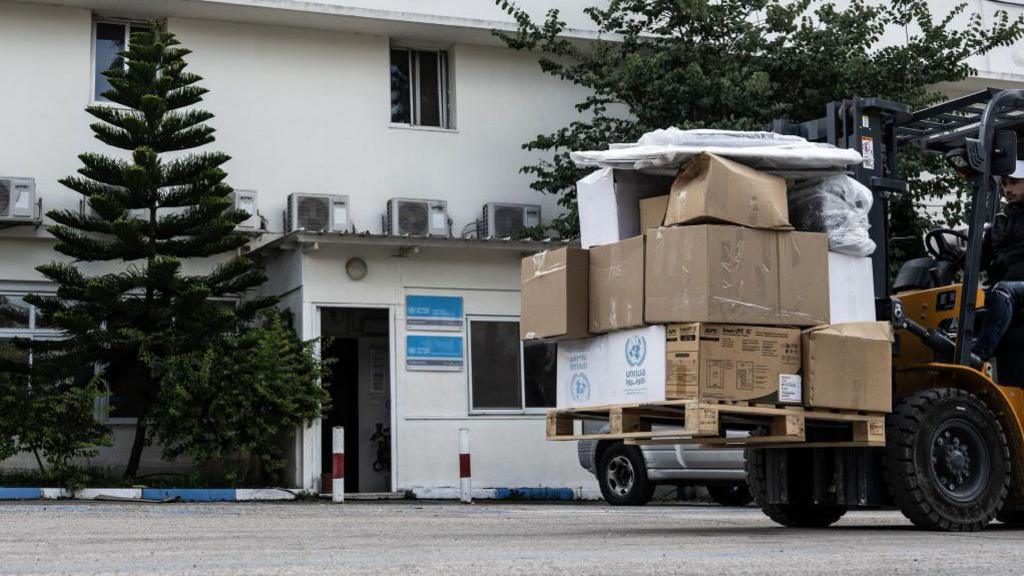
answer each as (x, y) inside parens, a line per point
(1003, 259)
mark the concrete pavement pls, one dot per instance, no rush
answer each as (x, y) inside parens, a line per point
(415, 537)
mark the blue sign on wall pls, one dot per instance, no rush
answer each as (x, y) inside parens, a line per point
(433, 312)
(425, 352)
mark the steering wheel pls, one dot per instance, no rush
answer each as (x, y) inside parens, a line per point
(937, 243)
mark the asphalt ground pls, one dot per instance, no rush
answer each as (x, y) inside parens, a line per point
(418, 537)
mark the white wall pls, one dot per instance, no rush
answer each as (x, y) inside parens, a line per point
(508, 450)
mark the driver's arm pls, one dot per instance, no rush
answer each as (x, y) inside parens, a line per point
(986, 251)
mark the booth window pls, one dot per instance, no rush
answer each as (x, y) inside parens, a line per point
(419, 87)
(507, 375)
(109, 38)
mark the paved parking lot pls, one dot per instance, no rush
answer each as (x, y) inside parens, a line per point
(412, 537)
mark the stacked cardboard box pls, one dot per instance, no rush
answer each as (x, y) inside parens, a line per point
(702, 293)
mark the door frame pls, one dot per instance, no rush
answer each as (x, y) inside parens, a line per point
(312, 463)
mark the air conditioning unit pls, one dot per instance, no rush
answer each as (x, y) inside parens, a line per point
(317, 212)
(506, 220)
(245, 200)
(413, 217)
(17, 198)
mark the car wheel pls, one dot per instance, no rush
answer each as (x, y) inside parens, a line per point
(947, 462)
(730, 494)
(622, 474)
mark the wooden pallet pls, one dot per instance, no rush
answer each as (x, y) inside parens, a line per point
(693, 422)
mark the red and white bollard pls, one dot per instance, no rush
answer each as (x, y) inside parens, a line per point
(338, 465)
(465, 481)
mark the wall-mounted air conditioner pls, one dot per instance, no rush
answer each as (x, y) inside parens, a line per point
(245, 200)
(317, 212)
(506, 220)
(414, 217)
(17, 199)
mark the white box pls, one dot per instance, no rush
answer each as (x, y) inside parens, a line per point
(616, 368)
(608, 203)
(851, 288)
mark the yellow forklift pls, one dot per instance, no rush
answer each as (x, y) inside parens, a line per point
(954, 456)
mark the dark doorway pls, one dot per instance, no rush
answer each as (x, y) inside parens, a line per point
(357, 341)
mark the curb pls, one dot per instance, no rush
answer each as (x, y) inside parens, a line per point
(285, 494)
(158, 494)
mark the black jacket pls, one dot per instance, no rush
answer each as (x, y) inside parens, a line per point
(1002, 252)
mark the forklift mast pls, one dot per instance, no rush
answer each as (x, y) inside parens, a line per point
(979, 128)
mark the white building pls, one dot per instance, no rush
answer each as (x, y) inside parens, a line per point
(369, 100)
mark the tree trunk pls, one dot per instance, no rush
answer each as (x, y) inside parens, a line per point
(39, 461)
(137, 446)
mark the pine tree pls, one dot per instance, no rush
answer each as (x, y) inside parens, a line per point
(151, 209)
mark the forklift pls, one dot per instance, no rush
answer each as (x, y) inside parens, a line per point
(954, 454)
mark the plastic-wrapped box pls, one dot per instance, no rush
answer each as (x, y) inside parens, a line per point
(838, 206)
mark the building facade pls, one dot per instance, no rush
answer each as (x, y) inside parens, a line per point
(348, 104)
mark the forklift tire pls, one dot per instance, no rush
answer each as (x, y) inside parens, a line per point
(622, 476)
(793, 514)
(947, 463)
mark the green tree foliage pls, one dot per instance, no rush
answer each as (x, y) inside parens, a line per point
(153, 207)
(241, 397)
(739, 64)
(46, 414)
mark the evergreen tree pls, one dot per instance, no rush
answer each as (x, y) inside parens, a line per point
(152, 208)
(739, 64)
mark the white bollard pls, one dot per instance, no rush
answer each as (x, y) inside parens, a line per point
(338, 466)
(465, 481)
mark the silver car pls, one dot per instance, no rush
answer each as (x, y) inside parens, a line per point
(628, 475)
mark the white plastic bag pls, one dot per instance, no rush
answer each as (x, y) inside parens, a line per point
(837, 205)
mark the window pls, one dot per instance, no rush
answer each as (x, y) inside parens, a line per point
(19, 319)
(419, 87)
(109, 38)
(507, 375)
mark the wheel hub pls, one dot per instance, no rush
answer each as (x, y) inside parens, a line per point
(620, 475)
(960, 460)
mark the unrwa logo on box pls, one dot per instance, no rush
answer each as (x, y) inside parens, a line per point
(579, 387)
(636, 350)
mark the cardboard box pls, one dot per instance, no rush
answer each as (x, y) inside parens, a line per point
(851, 288)
(652, 212)
(849, 366)
(616, 368)
(733, 362)
(617, 285)
(711, 273)
(554, 299)
(608, 203)
(714, 189)
(803, 278)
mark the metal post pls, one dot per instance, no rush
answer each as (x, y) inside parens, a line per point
(465, 481)
(338, 465)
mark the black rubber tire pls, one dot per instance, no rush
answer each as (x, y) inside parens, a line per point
(730, 494)
(910, 462)
(805, 514)
(639, 491)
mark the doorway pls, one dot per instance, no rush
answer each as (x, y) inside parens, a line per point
(357, 342)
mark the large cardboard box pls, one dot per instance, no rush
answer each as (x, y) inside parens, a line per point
(733, 362)
(617, 285)
(652, 212)
(714, 189)
(803, 278)
(848, 366)
(608, 203)
(851, 288)
(616, 368)
(711, 273)
(554, 294)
